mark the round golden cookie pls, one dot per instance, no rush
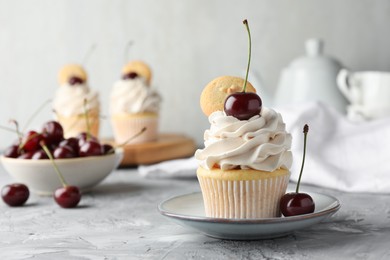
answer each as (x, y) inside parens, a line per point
(140, 68)
(214, 94)
(72, 70)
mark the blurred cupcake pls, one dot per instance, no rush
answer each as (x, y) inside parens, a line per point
(76, 106)
(134, 104)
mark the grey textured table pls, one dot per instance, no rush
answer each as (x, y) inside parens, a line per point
(119, 220)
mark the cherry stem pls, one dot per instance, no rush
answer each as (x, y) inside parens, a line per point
(127, 48)
(13, 121)
(10, 130)
(128, 140)
(245, 22)
(48, 153)
(305, 131)
(35, 114)
(87, 119)
(89, 53)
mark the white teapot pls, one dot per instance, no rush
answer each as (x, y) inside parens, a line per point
(312, 77)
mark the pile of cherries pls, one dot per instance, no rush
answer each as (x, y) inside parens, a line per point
(32, 146)
(52, 135)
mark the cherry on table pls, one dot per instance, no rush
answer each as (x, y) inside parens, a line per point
(67, 196)
(15, 194)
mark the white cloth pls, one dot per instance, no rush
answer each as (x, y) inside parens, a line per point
(342, 155)
(179, 168)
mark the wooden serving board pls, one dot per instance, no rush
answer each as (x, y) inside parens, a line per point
(166, 147)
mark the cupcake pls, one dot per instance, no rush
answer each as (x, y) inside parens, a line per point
(134, 105)
(76, 106)
(244, 167)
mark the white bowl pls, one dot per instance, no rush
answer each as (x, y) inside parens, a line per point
(41, 178)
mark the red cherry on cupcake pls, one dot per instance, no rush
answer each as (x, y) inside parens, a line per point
(130, 75)
(244, 105)
(75, 81)
(15, 194)
(296, 203)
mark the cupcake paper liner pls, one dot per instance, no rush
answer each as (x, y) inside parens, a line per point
(127, 127)
(243, 199)
(73, 125)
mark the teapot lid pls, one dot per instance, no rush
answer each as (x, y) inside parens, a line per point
(315, 57)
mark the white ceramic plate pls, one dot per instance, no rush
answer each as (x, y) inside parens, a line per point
(188, 210)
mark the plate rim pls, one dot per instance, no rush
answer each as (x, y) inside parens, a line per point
(275, 220)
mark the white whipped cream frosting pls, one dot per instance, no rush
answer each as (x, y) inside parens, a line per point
(133, 96)
(260, 143)
(69, 99)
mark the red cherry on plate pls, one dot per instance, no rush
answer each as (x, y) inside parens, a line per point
(297, 203)
(15, 194)
(90, 148)
(68, 196)
(293, 203)
(243, 105)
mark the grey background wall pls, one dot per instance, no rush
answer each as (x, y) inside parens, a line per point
(187, 43)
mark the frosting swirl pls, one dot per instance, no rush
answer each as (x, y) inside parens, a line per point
(260, 143)
(69, 99)
(133, 96)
